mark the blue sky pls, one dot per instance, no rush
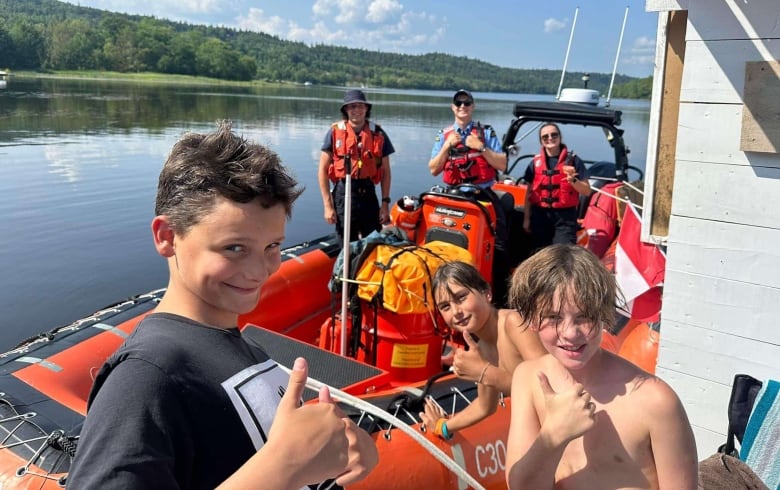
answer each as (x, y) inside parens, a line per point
(525, 35)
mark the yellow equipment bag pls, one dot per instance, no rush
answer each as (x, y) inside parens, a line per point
(403, 274)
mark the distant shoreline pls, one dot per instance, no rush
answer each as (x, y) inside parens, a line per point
(172, 79)
(145, 77)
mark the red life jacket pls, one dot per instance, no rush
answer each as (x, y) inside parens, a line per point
(465, 165)
(550, 189)
(364, 149)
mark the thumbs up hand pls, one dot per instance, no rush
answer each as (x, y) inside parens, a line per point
(468, 364)
(568, 414)
(317, 441)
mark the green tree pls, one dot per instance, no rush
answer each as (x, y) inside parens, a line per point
(30, 43)
(7, 49)
(180, 56)
(151, 40)
(73, 45)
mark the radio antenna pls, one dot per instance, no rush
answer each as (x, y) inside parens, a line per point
(568, 48)
(617, 56)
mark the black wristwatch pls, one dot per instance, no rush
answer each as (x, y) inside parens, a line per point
(386, 199)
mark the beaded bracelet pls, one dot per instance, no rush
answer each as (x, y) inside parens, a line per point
(441, 429)
(482, 374)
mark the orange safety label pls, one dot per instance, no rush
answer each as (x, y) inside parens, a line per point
(409, 355)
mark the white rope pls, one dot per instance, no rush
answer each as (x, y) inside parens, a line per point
(356, 402)
(625, 183)
(634, 188)
(615, 197)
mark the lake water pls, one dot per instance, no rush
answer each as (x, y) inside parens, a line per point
(79, 161)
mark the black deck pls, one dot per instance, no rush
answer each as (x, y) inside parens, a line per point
(332, 369)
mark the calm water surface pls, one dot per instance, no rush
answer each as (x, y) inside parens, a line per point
(79, 162)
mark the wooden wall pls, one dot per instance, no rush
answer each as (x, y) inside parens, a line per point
(721, 312)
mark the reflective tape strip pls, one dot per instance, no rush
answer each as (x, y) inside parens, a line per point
(41, 362)
(457, 455)
(297, 258)
(110, 328)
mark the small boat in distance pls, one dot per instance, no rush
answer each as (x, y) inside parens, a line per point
(3, 79)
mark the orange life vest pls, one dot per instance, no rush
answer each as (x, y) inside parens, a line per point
(364, 149)
(550, 189)
(465, 165)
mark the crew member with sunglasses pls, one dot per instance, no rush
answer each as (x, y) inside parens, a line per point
(469, 153)
(557, 179)
(466, 151)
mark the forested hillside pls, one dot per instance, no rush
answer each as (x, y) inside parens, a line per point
(47, 35)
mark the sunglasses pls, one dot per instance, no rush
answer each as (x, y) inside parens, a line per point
(551, 136)
(459, 103)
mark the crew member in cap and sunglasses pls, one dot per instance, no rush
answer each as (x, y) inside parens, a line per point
(467, 152)
(557, 179)
(369, 149)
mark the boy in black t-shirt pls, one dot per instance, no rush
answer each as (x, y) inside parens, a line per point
(186, 402)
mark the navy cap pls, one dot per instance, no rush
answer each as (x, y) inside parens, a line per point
(355, 96)
(462, 92)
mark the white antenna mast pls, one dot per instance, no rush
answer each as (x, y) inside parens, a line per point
(617, 56)
(568, 48)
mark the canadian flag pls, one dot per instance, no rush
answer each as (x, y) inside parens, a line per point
(639, 266)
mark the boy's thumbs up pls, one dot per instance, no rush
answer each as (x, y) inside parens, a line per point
(295, 386)
(472, 343)
(544, 383)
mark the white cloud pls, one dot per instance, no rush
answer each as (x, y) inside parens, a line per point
(552, 25)
(346, 11)
(384, 25)
(641, 52)
(256, 20)
(644, 43)
(166, 9)
(382, 10)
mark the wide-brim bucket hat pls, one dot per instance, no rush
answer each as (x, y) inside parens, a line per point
(353, 96)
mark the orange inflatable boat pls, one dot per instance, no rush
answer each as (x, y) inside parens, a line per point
(45, 381)
(392, 363)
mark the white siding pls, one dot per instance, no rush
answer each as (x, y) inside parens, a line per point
(721, 312)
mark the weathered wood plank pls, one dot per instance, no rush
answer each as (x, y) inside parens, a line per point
(729, 251)
(710, 133)
(760, 125)
(665, 5)
(720, 306)
(707, 441)
(651, 231)
(713, 355)
(733, 19)
(715, 70)
(705, 401)
(663, 165)
(710, 191)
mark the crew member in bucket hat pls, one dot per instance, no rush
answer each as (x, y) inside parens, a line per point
(369, 149)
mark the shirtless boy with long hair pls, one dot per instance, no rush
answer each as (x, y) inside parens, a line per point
(583, 417)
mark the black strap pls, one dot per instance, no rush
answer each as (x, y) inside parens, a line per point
(743, 396)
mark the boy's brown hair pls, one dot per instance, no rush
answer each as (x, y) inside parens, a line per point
(461, 273)
(574, 271)
(202, 167)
